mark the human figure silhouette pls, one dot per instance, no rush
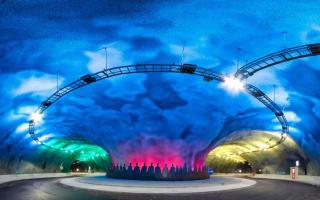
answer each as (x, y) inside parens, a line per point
(113, 171)
(172, 171)
(117, 170)
(205, 171)
(176, 172)
(189, 170)
(117, 167)
(110, 171)
(130, 170)
(185, 169)
(136, 171)
(150, 171)
(143, 173)
(181, 172)
(124, 171)
(157, 172)
(165, 171)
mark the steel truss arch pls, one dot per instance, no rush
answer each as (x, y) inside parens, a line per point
(277, 58)
(208, 75)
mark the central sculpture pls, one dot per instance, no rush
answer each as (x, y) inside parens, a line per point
(151, 172)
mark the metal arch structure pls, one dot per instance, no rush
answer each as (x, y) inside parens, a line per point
(276, 58)
(208, 75)
(128, 69)
(263, 98)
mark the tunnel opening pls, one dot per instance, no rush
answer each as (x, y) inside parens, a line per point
(248, 152)
(79, 166)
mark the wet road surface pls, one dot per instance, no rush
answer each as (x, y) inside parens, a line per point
(51, 189)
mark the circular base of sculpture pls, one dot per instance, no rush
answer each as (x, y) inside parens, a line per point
(103, 184)
(156, 173)
(163, 178)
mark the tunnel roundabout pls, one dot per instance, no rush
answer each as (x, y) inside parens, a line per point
(159, 100)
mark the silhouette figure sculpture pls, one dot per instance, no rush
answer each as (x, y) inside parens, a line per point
(189, 173)
(165, 172)
(176, 172)
(136, 172)
(157, 172)
(151, 172)
(185, 170)
(130, 171)
(124, 171)
(116, 173)
(143, 173)
(172, 172)
(181, 172)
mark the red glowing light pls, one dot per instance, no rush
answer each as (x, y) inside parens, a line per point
(155, 150)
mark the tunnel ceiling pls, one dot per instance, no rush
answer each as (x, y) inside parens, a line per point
(159, 114)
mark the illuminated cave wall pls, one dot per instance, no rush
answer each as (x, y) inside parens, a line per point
(158, 118)
(252, 148)
(165, 118)
(19, 157)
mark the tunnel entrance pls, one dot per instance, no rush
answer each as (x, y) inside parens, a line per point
(79, 166)
(248, 151)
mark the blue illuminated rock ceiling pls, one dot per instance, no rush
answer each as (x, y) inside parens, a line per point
(158, 114)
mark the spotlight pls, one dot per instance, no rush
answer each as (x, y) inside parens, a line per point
(233, 84)
(37, 117)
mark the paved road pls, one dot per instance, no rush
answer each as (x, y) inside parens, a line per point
(264, 190)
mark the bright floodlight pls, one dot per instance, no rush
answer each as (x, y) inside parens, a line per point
(233, 84)
(37, 117)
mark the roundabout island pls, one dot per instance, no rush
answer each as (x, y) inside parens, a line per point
(212, 184)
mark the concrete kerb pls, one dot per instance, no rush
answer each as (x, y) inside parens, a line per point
(157, 187)
(312, 180)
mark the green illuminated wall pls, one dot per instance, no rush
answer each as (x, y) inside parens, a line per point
(62, 152)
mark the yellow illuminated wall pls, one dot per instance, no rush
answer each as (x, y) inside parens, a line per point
(253, 147)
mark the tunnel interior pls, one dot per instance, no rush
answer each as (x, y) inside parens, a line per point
(170, 119)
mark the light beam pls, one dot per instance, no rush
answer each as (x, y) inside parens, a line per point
(233, 84)
(36, 117)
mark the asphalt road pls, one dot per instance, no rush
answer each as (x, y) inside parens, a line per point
(264, 190)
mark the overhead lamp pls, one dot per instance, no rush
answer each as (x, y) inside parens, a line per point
(232, 84)
(36, 117)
